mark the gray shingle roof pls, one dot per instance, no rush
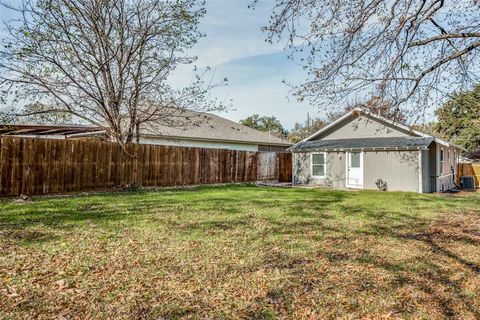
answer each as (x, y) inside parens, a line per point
(205, 126)
(364, 143)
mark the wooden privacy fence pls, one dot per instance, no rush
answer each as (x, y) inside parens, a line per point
(41, 166)
(469, 169)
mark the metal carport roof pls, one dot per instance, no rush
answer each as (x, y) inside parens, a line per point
(41, 130)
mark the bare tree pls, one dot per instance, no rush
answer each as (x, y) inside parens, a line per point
(374, 105)
(410, 52)
(106, 62)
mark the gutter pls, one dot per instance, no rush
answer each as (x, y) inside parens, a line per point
(189, 138)
(84, 134)
(216, 140)
(357, 149)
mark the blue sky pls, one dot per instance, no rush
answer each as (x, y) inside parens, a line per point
(235, 48)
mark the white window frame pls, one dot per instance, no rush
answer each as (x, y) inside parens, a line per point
(442, 159)
(324, 164)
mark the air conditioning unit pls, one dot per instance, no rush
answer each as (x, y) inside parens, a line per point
(468, 183)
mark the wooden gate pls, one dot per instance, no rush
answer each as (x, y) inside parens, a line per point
(267, 168)
(285, 167)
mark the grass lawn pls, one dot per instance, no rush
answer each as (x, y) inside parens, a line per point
(241, 252)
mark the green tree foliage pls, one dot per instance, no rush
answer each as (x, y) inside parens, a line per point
(428, 128)
(265, 124)
(309, 127)
(459, 119)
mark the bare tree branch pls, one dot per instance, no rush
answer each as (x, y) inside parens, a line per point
(106, 62)
(412, 53)
(445, 37)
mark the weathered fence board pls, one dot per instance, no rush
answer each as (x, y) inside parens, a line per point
(285, 167)
(41, 166)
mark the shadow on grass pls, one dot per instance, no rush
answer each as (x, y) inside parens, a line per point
(287, 216)
(348, 235)
(435, 280)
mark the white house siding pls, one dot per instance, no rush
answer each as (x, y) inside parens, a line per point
(335, 171)
(301, 168)
(399, 169)
(200, 143)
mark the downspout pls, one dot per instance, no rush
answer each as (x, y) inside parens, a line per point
(453, 177)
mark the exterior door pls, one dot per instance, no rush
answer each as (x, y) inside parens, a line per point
(355, 170)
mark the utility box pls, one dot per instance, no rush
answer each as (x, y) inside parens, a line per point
(468, 183)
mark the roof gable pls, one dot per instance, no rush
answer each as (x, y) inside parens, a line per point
(360, 124)
(396, 128)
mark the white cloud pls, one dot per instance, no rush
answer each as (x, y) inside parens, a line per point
(233, 32)
(235, 47)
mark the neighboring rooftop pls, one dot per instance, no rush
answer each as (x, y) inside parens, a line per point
(207, 126)
(180, 125)
(370, 143)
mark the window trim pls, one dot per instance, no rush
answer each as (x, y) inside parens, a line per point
(442, 159)
(350, 162)
(324, 164)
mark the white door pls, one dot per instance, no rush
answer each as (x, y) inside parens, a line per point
(355, 170)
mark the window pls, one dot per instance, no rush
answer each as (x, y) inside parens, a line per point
(441, 160)
(318, 164)
(355, 160)
(448, 155)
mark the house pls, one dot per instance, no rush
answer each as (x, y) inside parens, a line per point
(361, 150)
(185, 128)
(206, 130)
